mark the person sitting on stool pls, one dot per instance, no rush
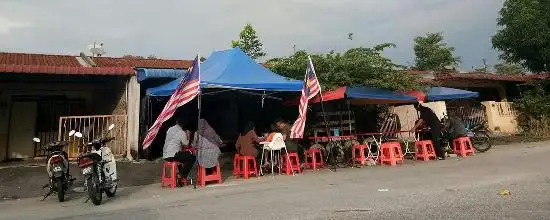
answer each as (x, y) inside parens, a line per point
(429, 118)
(176, 139)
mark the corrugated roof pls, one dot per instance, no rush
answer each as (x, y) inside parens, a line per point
(66, 64)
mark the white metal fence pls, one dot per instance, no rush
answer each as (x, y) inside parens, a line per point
(94, 126)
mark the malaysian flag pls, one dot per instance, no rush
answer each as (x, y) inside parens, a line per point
(310, 90)
(187, 90)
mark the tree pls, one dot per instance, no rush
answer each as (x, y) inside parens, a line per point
(509, 69)
(484, 68)
(130, 56)
(524, 34)
(249, 42)
(355, 67)
(433, 54)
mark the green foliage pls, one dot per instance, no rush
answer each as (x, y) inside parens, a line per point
(358, 66)
(509, 69)
(533, 109)
(249, 42)
(433, 54)
(525, 33)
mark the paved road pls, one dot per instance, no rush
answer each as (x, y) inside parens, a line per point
(453, 189)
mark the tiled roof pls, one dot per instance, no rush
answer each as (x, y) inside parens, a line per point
(442, 76)
(66, 70)
(144, 63)
(65, 64)
(38, 59)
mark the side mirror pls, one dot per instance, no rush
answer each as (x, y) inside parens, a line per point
(78, 134)
(111, 127)
(71, 133)
(36, 140)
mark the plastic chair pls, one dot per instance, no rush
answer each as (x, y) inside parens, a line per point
(391, 153)
(463, 146)
(293, 166)
(215, 176)
(170, 180)
(276, 144)
(424, 150)
(316, 161)
(358, 154)
(245, 165)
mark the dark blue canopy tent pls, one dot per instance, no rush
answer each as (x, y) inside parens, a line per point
(443, 93)
(233, 69)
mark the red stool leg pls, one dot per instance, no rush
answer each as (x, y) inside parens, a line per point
(245, 168)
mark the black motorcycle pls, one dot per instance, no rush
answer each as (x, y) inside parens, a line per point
(99, 169)
(58, 169)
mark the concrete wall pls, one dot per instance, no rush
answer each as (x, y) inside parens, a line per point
(133, 105)
(408, 115)
(501, 117)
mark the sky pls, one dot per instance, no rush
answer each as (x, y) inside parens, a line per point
(178, 29)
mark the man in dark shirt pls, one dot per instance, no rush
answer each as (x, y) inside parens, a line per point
(429, 118)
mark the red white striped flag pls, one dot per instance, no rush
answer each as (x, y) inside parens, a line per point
(187, 90)
(310, 90)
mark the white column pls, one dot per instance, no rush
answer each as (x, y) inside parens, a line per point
(133, 100)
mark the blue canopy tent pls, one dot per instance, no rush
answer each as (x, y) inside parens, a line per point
(233, 69)
(443, 93)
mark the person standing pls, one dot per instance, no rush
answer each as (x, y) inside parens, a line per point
(173, 151)
(430, 119)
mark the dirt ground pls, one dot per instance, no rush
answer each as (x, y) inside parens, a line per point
(24, 180)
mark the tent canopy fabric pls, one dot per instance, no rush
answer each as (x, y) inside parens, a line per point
(443, 93)
(363, 96)
(145, 73)
(234, 69)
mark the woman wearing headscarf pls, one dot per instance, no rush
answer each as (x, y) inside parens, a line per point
(247, 141)
(208, 144)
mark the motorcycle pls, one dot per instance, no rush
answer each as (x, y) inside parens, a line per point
(57, 167)
(478, 133)
(99, 169)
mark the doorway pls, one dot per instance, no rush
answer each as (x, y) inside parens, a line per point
(22, 130)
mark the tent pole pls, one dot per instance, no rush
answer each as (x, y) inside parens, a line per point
(198, 139)
(330, 154)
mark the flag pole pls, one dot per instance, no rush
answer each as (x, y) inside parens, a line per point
(198, 114)
(330, 154)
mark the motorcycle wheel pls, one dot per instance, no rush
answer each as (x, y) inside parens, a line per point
(111, 191)
(94, 192)
(481, 141)
(60, 189)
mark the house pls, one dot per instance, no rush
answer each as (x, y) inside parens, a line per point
(493, 104)
(45, 96)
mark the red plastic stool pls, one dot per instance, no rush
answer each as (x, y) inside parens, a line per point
(391, 153)
(424, 150)
(243, 166)
(316, 158)
(293, 166)
(215, 176)
(464, 146)
(170, 180)
(358, 154)
(236, 165)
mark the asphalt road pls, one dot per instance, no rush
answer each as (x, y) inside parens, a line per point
(452, 189)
